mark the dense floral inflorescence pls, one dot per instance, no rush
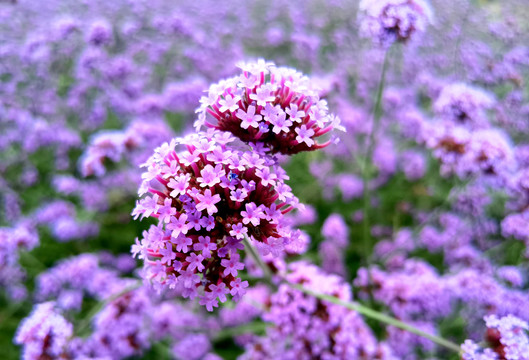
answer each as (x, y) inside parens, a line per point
(464, 105)
(207, 199)
(276, 106)
(304, 327)
(507, 337)
(389, 21)
(21, 237)
(44, 334)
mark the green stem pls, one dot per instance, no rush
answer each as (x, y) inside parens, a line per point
(366, 175)
(267, 274)
(253, 327)
(85, 323)
(361, 309)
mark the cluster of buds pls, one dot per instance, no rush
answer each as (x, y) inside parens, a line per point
(276, 106)
(207, 199)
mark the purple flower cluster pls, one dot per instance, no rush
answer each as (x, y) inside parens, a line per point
(124, 327)
(336, 239)
(75, 278)
(275, 106)
(464, 104)
(464, 152)
(507, 338)
(44, 334)
(135, 142)
(21, 237)
(389, 21)
(207, 199)
(304, 327)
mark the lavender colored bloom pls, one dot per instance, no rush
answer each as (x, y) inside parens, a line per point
(73, 277)
(275, 106)
(512, 275)
(120, 329)
(335, 229)
(100, 33)
(464, 105)
(304, 327)
(44, 334)
(507, 337)
(21, 237)
(413, 165)
(516, 225)
(464, 153)
(411, 290)
(389, 21)
(198, 247)
(350, 186)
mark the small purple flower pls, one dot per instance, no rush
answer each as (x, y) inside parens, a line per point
(207, 202)
(232, 265)
(178, 225)
(249, 118)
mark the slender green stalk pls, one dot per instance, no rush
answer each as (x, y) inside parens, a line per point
(361, 309)
(366, 175)
(253, 327)
(258, 261)
(85, 323)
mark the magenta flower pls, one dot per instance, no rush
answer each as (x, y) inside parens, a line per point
(277, 107)
(207, 199)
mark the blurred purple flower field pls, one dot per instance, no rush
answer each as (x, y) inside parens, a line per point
(319, 179)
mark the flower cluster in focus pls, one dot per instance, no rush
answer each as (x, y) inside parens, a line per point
(276, 106)
(207, 199)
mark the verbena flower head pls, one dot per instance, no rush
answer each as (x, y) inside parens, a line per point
(464, 105)
(207, 199)
(304, 327)
(389, 21)
(44, 334)
(486, 151)
(507, 338)
(276, 106)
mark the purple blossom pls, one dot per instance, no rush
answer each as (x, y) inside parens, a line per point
(207, 202)
(248, 117)
(212, 201)
(280, 109)
(232, 265)
(388, 21)
(44, 334)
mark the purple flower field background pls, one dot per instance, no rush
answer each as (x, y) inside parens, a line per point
(264, 179)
